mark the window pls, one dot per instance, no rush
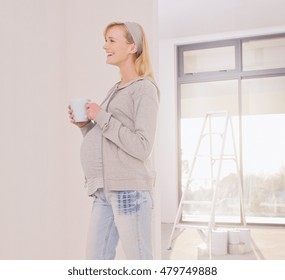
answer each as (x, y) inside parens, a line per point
(246, 77)
(204, 61)
(263, 54)
(263, 118)
(208, 60)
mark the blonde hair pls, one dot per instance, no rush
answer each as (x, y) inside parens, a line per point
(142, 63)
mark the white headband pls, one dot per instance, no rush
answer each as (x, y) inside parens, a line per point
(136, 33)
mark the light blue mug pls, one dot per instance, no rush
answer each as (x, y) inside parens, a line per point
(79, 109)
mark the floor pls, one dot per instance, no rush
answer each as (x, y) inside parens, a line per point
(267, 243)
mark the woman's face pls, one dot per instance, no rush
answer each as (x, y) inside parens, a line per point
(118, 50)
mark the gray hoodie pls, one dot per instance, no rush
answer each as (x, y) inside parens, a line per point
(128, 125)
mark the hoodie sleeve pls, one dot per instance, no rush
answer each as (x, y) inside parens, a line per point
(139, 141)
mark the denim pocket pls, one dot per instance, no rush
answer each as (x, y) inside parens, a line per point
(130, 202)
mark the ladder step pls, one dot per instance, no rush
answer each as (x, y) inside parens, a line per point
(200, 179)
(191, 225)
(217, 113)
(225, 157)
(212, 133)
(216, 157)
(189, 202)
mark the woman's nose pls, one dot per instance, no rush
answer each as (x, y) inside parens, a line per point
(105, 46)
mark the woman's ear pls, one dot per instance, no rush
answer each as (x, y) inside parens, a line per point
(134, 48)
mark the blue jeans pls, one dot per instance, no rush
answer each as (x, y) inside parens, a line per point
(120, 214)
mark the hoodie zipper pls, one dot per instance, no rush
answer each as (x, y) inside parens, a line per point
(110, 97)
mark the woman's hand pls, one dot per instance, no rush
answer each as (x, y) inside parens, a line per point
(92, 110)
(71, 117)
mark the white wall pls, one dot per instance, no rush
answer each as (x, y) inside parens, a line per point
(50, 52)
(191, 20)
(184, 18)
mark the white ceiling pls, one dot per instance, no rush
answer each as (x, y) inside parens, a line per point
(185, 18)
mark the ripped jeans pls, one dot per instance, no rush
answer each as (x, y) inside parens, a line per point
(124, 215)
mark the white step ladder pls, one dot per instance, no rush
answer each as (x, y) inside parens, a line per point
(207, 134)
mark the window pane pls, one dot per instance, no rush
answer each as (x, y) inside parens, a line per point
(264, 54)
(207, 60)
(196, 101)
(199, 98)
(263, 110)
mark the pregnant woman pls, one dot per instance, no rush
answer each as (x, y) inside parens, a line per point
(117, 148)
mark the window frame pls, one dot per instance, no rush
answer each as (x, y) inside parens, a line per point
(236, 74)
(207, 76)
